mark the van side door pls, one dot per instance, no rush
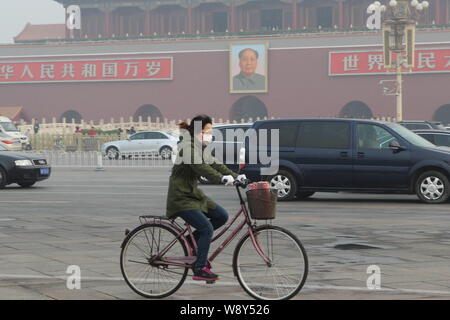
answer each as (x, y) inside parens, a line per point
(287, 133)
(324, 154)
(376, 166)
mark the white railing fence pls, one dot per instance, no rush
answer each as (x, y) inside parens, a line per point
(95, 159)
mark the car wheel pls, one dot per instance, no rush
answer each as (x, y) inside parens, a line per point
(165, 153)
(304, 194)
(112, 153)
(3, 178)
(26, 184)
(433, 187)
(285, 185)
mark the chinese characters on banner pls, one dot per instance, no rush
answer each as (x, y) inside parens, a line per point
(371, 62)
(86, 70)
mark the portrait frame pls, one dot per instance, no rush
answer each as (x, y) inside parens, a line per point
(237, 82)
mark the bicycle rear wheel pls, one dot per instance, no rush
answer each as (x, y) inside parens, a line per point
(286, 273)
(141, 273)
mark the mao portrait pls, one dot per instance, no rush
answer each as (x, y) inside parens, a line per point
(248, 68)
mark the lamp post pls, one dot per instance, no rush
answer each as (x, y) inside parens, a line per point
(399, 26)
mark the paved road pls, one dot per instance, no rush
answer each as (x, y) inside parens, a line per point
(78, 217)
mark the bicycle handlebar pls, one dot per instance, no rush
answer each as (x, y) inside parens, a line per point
(242, 184)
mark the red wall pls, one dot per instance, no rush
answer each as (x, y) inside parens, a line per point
(299, 86)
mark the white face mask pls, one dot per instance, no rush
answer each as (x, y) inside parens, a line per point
(207, 138)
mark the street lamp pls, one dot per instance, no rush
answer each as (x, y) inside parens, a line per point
(399, 26)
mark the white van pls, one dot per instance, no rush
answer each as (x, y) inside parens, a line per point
(8, 127)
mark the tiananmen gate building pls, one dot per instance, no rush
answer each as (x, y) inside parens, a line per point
(176, 58)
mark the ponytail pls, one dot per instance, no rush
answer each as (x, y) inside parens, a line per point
(190, 127)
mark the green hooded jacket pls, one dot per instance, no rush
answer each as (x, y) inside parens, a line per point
(184, 193)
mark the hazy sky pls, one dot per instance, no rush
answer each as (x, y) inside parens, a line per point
(14, 15)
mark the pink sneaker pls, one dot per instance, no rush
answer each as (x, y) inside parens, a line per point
(204, 274)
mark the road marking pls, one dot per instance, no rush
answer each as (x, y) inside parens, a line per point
(235, 283)
(101, 186)
(90, 193)
(33, 201)
(356, 206)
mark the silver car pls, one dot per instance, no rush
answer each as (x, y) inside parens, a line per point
(144, 142)
(10, 143)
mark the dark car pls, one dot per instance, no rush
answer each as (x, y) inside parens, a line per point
(231, 141)
(23, 169)
(353, 155)
(422, 125)
(441, 138)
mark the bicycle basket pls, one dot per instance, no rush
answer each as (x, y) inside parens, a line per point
(262, 203)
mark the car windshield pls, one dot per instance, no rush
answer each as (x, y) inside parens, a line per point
(8, 126)
(410, 136)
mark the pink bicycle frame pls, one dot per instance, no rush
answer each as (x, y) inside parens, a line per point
(187, 260)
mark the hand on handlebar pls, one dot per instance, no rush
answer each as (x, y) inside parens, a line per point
(228, 180)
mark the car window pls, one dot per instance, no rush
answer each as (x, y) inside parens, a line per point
(416, 126)
(151, 135)
(334, 135)
(410, 136)
(442, 140)
(371, 136)
(156, 135)
(287, 132)
(429, 137)
(235, 134)
(2, 148)
(138, 136)
(9, 126)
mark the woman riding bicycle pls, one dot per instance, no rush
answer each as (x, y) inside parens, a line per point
(186, 200)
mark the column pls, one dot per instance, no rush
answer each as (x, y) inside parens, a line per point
(107, 23)
(307, 22)
(437, 12)
(341, 14)
(66, 16)
(350, 14)
(232, 26)
(294, 22)
(447, 14)
(162, 20)
(147, 26)
(203, 21)
(189, 19)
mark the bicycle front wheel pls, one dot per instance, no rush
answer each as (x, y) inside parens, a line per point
(147, 277)
(285, 273)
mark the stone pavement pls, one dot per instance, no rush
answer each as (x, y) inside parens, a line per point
(78, 217)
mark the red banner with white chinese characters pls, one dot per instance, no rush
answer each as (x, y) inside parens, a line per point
(127, 69)
(372, 62)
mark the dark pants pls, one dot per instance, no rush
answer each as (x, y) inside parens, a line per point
(204, 224)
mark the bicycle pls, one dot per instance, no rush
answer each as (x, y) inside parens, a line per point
(269, 261)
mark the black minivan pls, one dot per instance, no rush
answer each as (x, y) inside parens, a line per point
(353, 155)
